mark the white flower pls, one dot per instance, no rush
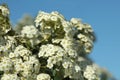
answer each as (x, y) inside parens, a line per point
(67, 64)
(88, 28)
(54, 18)
(50, 25)
(29, 31)
(28, 67)
(82, 37)
(70, 47)
(90, 73)
(41, 16)
(10, 77)
(75, 21)
(68, 72)
(54, 46)
(43, 76)
(77, 68)
(50, 50)
(18, 65)
(53, 53)
(22, 51)
(34, 61)
(11, 55)
(5, 10)
(60, 16)
(88, 47)
(87, 43)
(49, 65)
(7, 44)
(53, 60)
(6, 64)
(65, 24)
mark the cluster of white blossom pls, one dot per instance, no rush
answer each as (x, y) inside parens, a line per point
(52, 49)
(7, 44)
(6, 64)
(4, 10)
(25, 64)
(30, 35)
(43, 76)
(10, 77)
(4, 20)
(90, 73)
(29, 32)
(64, 42)
(53, 53)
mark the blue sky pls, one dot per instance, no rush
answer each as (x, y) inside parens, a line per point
(103, 15)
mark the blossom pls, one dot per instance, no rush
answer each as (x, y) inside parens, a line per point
(90, 73)
(6, 64)
(21, 51)
(5, 10)
(29, 32)
(43, 76)
(52, 52)
(67, 64)
(77, 68)
(50, 25)
(7, 44)
(5, 26)
(10, 77)
(54, 48)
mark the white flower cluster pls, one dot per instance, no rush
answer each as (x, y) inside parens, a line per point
(25, 63)
(58, 56)
(29, 32)
(7, 44)
(50, 25)
(85, 34)
(90, 73)
(10, 77)
(4, 20)
(43, 76)
(66, 41)
(30, 35)
(20, 51)
(54, 26)
(5, 10)
(52, 49)
(6, 64)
